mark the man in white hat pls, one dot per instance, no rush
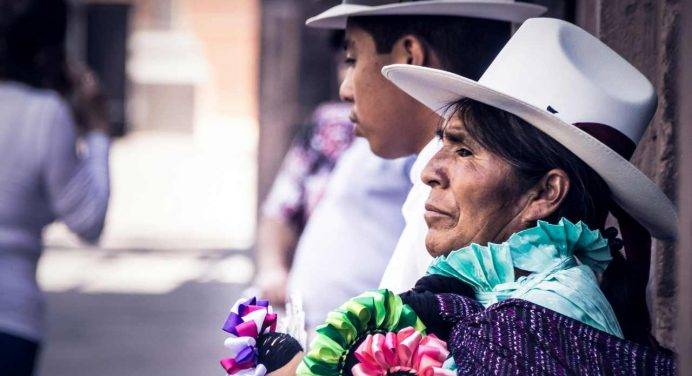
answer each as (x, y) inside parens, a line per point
(347, 242)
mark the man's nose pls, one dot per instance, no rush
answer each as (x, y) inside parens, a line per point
(346, 89)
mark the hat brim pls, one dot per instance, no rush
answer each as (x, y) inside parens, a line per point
(336, 17)
(631, 189)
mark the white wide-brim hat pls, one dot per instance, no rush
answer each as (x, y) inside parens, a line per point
(500, 10)
(574, 88)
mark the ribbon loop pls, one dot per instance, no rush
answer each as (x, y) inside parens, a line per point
(248, 319)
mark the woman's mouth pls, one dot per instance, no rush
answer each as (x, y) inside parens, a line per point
(434, 214)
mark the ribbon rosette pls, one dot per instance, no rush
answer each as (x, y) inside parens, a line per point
(407, 351)
(249, 318)
(373, 311)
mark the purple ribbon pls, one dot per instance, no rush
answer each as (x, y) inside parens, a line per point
(235, 325)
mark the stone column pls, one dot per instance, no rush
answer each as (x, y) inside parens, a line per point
(645, 32)
(279, 62)
(684, 323)
(296, 74)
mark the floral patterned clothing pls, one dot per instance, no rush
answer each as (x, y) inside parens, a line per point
(308, 165)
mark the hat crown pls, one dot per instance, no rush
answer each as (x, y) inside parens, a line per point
(373, 3)
(554, 65)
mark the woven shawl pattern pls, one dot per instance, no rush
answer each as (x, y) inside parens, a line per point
(516, 337)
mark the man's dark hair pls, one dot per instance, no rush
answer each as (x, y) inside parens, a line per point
(465, 46)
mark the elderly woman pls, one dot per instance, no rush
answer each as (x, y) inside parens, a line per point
(533, 159)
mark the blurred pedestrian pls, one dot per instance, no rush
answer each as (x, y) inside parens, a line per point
(297, 189)
(44, 176)
(299, 186)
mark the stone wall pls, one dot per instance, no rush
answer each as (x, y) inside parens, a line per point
(684, 144)
(646, 33)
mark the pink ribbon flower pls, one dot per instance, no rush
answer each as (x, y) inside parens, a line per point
(406, 351)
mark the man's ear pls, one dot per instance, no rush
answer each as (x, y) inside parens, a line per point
(409, 49)
(546, 196)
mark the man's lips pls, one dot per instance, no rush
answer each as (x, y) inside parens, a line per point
(356, 129)
(353, 118)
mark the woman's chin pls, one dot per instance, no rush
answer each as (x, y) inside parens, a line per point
(435, 248)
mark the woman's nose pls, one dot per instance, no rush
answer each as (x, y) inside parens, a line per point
(434, 174)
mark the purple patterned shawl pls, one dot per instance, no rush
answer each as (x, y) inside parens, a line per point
(516, 337)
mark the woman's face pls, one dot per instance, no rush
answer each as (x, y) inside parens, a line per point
(473, 197)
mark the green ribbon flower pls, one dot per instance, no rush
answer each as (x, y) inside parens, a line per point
(373, 311)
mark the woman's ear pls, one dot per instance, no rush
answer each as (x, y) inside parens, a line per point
(546, 196)
(409, 49)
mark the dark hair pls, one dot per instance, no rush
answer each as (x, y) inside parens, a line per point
(465, 46)
(532, 153)
(32, 42)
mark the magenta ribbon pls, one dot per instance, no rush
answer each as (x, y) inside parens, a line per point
(240, 323)
(238, 327)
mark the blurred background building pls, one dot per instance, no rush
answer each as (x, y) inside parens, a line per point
(181, 77)
(205, 96)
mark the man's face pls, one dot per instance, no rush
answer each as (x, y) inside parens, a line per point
(394, 123)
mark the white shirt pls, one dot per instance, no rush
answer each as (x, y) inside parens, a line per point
(42, 178)
(351, 233)
(411, 259)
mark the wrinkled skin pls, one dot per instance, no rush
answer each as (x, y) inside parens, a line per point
(472, 199)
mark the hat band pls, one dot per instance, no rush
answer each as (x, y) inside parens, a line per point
(611, 137)
(374, 3)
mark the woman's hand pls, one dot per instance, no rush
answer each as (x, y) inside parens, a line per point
(290, 368)
(87, 99)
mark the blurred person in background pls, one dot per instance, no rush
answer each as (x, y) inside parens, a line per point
(46, 109)
(299, 186)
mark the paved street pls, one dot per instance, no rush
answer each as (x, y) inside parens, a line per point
(173, 331)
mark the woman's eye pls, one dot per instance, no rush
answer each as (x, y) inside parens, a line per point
(350, 61)
(464, 152)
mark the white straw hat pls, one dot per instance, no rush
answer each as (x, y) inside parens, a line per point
(501, 10)
(574, 88)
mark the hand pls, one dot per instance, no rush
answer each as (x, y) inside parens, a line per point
(290, 368)
(272, 284)
(88, 101)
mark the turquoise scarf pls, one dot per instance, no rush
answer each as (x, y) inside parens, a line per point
(562, 259)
